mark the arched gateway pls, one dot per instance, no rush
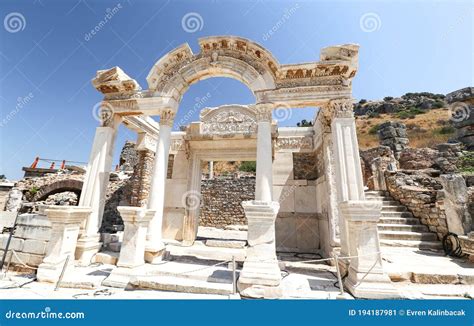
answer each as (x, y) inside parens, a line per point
(345, 219)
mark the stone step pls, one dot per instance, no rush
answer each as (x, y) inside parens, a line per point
(226, 243)
(199, 252)
(180, 284)
(380, 198)
(399, 220)
(376, 192)
(390, 202)
(397, 214)
(394, 208)
(433, 245)
(407, 235)
(402, 227)
(209, 273)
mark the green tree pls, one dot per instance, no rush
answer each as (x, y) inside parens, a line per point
(248, 166)
(304, 123)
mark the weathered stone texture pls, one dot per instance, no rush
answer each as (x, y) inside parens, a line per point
(128, 156)
(141, 179)
(462, 110)
(423, 196)
(393, 135)
(417, 158)
(222, 198)
(305, 166)
(374, 162)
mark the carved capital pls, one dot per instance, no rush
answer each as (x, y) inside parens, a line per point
(264, 112)
(339, 108)
(167, 118)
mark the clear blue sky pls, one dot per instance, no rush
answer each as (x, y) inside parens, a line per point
(47, 61)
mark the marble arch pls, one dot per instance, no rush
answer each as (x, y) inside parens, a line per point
(348, 220)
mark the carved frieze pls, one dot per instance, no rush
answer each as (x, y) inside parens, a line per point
(228, 120)
(294, 143)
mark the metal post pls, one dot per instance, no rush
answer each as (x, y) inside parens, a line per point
(339, 279)
(234, 279)
(62, 273)
(9, 262)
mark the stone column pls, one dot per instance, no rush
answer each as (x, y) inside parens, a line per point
(155, 246)
(95, 188)
(264, 182)
(135, 220)
(358, 217)
(260, 275)
(348, 171)
(192, 200)
(65, 224)
(211, 170)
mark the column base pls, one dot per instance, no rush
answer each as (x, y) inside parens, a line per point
(260, 275)
(154, 253)
(86, 249)
(51, 271)
(370, 286)
(260, 291)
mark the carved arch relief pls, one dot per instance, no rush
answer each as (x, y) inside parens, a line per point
(229, 119)
(294, 85)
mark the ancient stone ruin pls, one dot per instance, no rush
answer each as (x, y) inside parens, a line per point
(313, 192)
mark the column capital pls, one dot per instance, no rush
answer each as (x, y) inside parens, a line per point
(337, 108)
(264, 111)
(167, 118)
(106, 115)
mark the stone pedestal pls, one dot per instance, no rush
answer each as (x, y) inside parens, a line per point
(65, 224)
(366, 278)
(135, 220)
(260, 274)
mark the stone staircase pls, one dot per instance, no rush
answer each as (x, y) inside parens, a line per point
(399, 228)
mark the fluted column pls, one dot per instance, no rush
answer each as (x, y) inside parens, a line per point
(155, 246)
(264, 181)
(95, 185)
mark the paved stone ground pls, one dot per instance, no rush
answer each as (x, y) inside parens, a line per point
(428, 274)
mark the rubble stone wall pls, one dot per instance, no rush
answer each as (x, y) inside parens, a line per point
(221, 200)
(423, 196)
